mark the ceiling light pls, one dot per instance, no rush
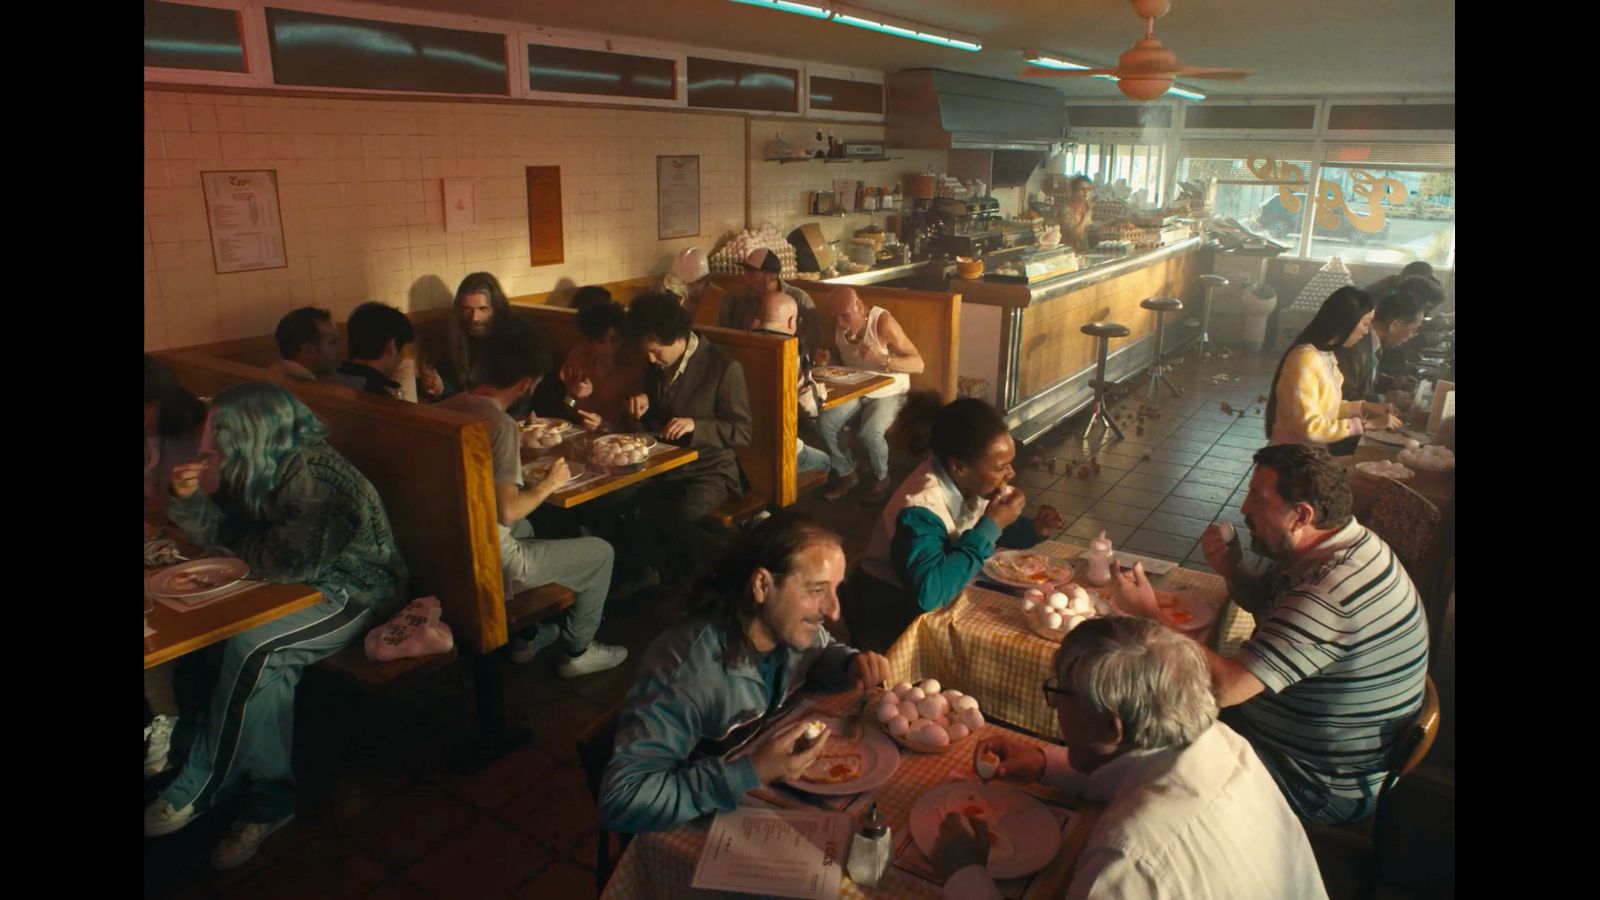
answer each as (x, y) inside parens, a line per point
(1185, 93)
(874, 21)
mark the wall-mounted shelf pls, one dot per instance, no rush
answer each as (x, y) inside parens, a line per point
(800, 159)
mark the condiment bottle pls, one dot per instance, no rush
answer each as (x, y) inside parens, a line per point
(1100, 561)
(870, 849)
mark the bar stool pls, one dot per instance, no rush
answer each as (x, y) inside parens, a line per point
(1158, 371)
(1210, 283)
(1103, 332)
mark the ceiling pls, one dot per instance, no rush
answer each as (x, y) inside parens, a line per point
(1299, 47)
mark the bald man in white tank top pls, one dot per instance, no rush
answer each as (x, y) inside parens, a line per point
(868, 339)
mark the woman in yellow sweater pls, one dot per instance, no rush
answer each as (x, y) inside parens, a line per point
(1305, 406)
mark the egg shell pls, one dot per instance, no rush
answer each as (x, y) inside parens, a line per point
(931, 687)
(1057, 600)
(1072, 621)
(1029, 606)
(942, 721)
(1102, 608)
(963, 703)
(959, 731)
(1412, 444)
(972, 719)
(902, 688)
(986, 765)
(1052, 620)
(899, 727)
(1033, 595)
(928, 707)
(953, 695)
(1081, 606)
(908, 710)
(916, 694)
(930, 734)
(888, 711)
(1078, 591)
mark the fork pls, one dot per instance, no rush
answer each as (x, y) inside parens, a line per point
(857, 724)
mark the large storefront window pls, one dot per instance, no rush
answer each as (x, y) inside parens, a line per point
(1128, 172)
(1383, 215)
(1251, 199)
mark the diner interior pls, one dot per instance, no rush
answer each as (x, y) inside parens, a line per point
(1123, 265)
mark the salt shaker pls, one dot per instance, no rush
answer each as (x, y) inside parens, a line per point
(1100, 561)
(870, 849)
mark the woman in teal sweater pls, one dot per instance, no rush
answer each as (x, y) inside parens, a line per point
(944, 520)
(296, 511)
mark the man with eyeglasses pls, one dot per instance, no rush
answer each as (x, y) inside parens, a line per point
(1190, 811)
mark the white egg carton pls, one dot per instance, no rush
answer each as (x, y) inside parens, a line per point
(925, 717)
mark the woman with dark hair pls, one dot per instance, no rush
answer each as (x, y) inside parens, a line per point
(755, 638)
(1077, 214)
(598, 377)
(294, 510)
(944, 520)
(1305, 405)
(174, 431)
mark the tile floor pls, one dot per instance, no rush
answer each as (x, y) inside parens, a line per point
(384, 814)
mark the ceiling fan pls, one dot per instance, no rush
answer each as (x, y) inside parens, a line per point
(1145, 71)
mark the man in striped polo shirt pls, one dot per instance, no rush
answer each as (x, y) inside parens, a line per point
(1336, 666)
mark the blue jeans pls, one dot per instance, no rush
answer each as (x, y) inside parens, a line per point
(876, 416)
(809, 458)
(1308, 795)
(248, 731)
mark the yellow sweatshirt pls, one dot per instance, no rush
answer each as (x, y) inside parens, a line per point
(1310, 410)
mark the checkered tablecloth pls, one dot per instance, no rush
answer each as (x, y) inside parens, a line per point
(662, 864)
(982, 645)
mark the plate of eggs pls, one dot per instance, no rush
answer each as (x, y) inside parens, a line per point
(1434, 457)
(1383, 468)
(926, 718)
(543, 434)
(621, 451)
(1053, 616)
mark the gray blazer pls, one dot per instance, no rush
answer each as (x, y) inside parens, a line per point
(713, 394)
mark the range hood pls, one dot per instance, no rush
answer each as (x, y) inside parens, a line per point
(932, 109)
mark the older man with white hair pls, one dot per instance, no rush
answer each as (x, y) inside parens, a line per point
(1190, 811)
(868, 339)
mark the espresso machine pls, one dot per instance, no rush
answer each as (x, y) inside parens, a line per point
(964, 226)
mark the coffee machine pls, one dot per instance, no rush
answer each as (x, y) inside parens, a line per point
(965, 226)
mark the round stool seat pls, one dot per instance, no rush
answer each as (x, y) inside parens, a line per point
(1165, 304)
(1105, 329)
(1212, 280)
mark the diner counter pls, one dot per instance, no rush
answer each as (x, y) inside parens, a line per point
(1025, 339)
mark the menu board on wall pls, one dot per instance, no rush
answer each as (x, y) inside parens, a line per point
(677, 196)
(545, 245)
(246, 224)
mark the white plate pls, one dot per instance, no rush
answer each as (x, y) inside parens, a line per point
(1200, 612)
(1152, 566)
(840, 374)
(534, 471)
(559, 426)
(1055, 572)
(218, 574)
(879, 759)
(1034, 834)
(1370, 467)
(1396, 438)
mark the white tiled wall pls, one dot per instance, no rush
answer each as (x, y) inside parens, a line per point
(778, 190)
(359, 186)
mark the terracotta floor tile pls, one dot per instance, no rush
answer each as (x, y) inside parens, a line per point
(1170, 523)
(561, 880)
(559, 813)
(403, 828)
(488, 860)
(1117, 512)
(1199, 490)
(556, 729)
(1159, 484)
(1156, 543)
(326, 869)
(1087, 527)
(496, 783)
(398, 889)
(1132, 496)
(1195, 509)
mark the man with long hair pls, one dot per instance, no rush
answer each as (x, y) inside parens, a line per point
(453, 362)
(706, 685)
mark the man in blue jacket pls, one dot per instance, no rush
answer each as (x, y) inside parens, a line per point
(706, 686)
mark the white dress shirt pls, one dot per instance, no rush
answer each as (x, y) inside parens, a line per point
(1205, 820)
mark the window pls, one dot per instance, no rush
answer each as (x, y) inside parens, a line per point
(192, 37)
(1129, 172)
(724, 84)
(1386, 215)
(571, 70)
(333, 51)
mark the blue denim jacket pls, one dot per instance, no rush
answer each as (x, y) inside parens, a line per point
(685, 712)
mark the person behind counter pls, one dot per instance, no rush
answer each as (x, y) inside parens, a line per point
(944, 520)
(1078, 213)
(1305, 405)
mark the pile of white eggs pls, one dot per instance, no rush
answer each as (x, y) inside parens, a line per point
(1383, 468)
(1063, 611)
(1434, 457)
(927, 717)
(541, 434)
(620, 450)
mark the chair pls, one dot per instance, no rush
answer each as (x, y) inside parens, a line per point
(1103, 332)
(1158, 371)
(1409, 751)
(1409, 523)
(1210, 283)
(594, 754)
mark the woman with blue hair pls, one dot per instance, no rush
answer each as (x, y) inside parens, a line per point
(296, 511)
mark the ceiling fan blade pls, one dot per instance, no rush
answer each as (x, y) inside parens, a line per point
(1220, 74)
(1041, 72)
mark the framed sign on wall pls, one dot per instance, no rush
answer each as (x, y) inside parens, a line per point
(545, 246)
(246, 223)
(677, 196)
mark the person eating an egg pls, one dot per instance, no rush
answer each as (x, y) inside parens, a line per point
(944, 520)
(1305, 405)
(511, 365)
(1337, 664)
(1190, 811)
(597, 377)
(1369, 367)
(706, 686)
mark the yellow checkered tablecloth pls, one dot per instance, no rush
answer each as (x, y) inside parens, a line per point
(662, 864)
(982, 645)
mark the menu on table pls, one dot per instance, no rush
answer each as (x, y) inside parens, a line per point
(779, 852)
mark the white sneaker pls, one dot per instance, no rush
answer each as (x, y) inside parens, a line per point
(160, 818)
(598, 658)
(158, 744)
(242, 841)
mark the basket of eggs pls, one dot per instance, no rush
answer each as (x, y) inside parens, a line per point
(927, 719)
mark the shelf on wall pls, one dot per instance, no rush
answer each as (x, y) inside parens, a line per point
(799, 159)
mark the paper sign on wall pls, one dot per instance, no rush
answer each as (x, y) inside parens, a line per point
(460, 204)
(245, 220)
(677, 196)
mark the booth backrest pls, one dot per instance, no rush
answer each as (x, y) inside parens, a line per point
(771, 367)
(432, 468)
(621, 291)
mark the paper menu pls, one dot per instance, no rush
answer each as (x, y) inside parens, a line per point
(782, 853)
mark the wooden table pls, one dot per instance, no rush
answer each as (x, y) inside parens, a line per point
(1438, 487)
(981, 644)
(178, 633)
(842, 392)
(662, 864)
(659, 461)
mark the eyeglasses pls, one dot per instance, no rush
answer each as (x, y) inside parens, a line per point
(1052, 685)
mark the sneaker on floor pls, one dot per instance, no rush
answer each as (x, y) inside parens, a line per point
(158, 744)
(877, 494)
(598, 658)
(242, 841)
(522, 650)
(841, 487)
(160, 818)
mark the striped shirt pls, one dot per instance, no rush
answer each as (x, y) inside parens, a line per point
(1342, 647)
